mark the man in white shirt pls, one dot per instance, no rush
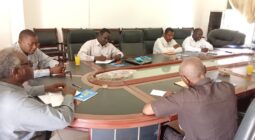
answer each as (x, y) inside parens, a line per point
(166, 43)
(196, 43)
(43, 65)
(22, 115)
(99, 48)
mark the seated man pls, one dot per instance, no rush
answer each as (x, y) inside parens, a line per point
(43, 65)
(99, 48)
(166, 43)
(206, 110)
(21, 114)
(196, 43)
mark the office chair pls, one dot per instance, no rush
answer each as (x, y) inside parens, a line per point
(223, 37)
(246, 130)
(181, 34)
(132, 43)
(150, 35)
(76, 38)
(49, 44)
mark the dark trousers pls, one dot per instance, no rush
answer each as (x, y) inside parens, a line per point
(169, 133)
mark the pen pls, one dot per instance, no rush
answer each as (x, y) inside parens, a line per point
(76, 86)
(228, 52)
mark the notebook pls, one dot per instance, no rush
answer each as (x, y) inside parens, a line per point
(84, 95)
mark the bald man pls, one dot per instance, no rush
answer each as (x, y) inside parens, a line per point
(206, 110)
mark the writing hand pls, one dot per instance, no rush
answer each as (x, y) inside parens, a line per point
(68, 90)
(116, 57)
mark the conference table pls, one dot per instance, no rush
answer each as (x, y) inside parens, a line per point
(115, 113)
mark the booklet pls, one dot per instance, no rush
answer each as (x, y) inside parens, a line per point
(84, 95)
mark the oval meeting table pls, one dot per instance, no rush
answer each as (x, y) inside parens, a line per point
(115, 113)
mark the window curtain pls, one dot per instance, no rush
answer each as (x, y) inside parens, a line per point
(246, 7)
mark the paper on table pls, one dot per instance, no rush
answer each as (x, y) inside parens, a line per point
(158, 92)
(55, 99)
(104, 62)
(181, 83)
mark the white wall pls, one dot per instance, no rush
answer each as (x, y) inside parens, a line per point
(104, 13)
(141, 13)
(5, 27)
(12, 21)
(56, 13)
(203, 11)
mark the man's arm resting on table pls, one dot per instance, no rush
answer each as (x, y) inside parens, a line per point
(147, 110)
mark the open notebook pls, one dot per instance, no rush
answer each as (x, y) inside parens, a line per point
(55, 99)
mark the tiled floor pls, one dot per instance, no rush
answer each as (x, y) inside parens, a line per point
(68, 134)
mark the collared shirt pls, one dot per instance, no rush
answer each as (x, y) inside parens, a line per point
(41, 62)
(162, 46)
(189, 44)
(22, 115)
(93, 48)
(206, 111)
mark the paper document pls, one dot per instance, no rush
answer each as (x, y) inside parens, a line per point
(181, 83)
(55, 99)
(104, 62)
(158, 92)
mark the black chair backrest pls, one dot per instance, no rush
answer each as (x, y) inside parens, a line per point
(76, 38)
(132, 43)
(49, 43)
(47, 36)
(223, 37)
(65, 32)
(181, 34)
(150, 35)
(115, 37)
